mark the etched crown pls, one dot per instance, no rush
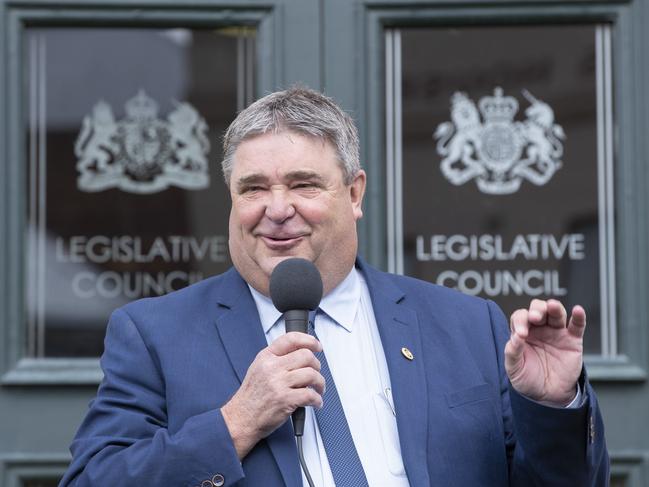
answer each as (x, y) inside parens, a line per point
(498, 108)
(141, 106)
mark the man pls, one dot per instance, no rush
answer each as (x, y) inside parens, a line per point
(199, 384)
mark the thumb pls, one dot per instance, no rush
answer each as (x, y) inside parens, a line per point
(515, 348)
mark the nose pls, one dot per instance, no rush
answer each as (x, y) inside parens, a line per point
(279, 207)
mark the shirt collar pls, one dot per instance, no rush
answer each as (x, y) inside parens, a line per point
(341, 304)
(268, 313)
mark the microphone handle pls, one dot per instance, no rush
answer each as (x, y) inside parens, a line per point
(297, 320)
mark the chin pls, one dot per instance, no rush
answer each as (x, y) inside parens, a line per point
(271, 262)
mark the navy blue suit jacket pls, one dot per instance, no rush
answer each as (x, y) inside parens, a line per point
(171, 362)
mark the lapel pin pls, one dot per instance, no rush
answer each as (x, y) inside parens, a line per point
(407, 353)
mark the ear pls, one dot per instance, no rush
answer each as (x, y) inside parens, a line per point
(356, 193)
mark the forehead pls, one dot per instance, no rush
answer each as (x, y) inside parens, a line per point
(284, 152)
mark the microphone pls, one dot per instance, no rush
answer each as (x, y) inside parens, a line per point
(296, 289)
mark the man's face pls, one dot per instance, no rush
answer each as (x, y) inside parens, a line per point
(289, 200)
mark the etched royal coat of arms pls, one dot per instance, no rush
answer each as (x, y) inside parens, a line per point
(498, 152)
(141, 153)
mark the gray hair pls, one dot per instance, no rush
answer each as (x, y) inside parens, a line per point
(300, 110)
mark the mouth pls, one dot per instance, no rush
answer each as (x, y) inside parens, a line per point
(284, 242)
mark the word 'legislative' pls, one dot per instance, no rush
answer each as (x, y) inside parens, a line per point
(100, 249)
(532, 246)
(495, 248)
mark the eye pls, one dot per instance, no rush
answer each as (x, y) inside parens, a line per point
(305, 185)
(251, 189)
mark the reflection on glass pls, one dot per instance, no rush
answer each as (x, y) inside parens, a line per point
(500, 160)
(126, 197)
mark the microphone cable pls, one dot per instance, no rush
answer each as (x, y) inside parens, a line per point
(300, 452)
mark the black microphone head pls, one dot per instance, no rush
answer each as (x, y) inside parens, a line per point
(295, 284)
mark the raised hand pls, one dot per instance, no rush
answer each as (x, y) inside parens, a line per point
(544, 354)
(284, 376)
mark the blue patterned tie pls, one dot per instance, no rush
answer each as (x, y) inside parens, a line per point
(343, 458)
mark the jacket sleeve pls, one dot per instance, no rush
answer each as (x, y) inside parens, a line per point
(124, 438)
(547, 445)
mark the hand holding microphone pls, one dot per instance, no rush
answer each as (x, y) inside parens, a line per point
(285, 375)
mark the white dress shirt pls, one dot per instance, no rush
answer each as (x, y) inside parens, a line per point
(350, 338)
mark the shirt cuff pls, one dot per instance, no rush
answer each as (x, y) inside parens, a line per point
(574, 404)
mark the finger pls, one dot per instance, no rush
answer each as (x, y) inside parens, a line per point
(298, 359)
(306, 377)
(292, 341)
(577, 323)
(557, 317)
(538, 312)
(519, 323)
(305, 397)
(514, 355)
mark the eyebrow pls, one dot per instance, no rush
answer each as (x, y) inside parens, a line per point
(303, 174)
(298, 175)
(250, 180)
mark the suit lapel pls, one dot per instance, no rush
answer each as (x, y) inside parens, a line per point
(242, 335)
(399, 328)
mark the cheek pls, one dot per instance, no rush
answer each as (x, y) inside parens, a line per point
(311, 212)
(245, 215)
(327, 211)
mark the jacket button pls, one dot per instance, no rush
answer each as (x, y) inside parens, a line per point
(218, 480)
(206, 483)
